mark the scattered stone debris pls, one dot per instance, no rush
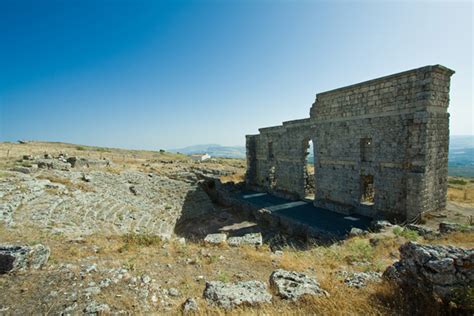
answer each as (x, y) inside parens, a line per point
(190, 305)
(292, 285)
(215, 239)
(438, 269)
(229, 295)
(50, 163)
(360, 279)
(17, 258)
(254, 239)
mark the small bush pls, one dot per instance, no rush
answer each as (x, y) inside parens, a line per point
(81, 148)
(457, 181)
(406, 233)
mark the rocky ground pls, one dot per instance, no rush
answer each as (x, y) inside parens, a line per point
(99, 233)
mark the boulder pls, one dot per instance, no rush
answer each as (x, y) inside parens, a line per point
(18, 258)
(215, 239)
(229, 295)
(357, 232)
(254, 239)
(439, 270)
(292, 285)
(446, 228)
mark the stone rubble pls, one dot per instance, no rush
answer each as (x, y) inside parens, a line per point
(253, 239)
(229, 295)
(440, 270)
(17, 258)
(215, 239)
(292, 285)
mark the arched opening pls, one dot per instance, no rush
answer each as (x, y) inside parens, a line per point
(309, 172)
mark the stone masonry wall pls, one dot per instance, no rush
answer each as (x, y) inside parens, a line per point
(386, 138)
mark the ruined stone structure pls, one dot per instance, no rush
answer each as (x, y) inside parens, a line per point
(380, 147)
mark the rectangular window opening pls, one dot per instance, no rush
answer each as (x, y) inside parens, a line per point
(366, 149)
(270, 151)
(368, 190)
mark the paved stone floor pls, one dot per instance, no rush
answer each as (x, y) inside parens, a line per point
(302, 211)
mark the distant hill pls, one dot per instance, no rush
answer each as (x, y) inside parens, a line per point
(461, 153)
(214, 150)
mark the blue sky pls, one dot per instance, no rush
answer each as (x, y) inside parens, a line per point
(151, 74)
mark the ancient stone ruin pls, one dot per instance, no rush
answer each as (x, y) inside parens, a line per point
(380, 148)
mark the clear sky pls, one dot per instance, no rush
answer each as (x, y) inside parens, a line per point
(151, 74)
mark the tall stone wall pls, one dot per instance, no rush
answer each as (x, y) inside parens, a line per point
(380, 147)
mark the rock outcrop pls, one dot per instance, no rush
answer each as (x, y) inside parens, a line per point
(292, 285)
(229, 295)
(440, 270)
(17, 258)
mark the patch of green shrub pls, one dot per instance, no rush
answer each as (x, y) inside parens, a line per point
(406, 233)
(360, 250)
(457, 181)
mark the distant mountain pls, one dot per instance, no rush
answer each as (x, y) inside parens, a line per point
(214, 150)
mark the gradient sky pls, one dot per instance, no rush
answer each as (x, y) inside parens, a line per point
(151, 74)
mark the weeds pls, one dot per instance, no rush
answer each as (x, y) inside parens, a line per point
(360, 250)
(406, 233)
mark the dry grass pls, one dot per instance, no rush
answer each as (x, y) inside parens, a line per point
(235, 178)
(145, 254)
(463, 194)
